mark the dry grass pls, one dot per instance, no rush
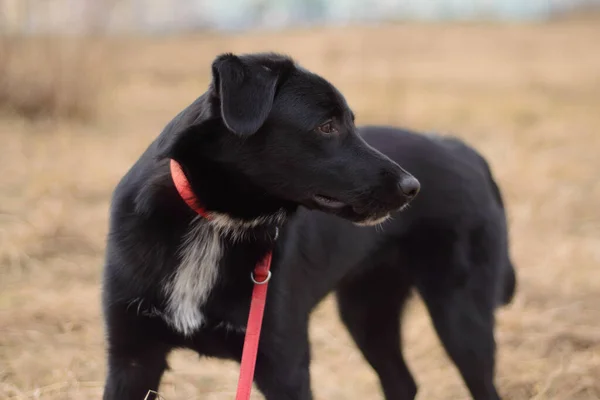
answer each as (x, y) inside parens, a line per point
(49, 78)
(528, 96)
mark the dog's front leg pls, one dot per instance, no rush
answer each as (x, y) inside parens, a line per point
(136, 358)
(282, 367)
(134, 378)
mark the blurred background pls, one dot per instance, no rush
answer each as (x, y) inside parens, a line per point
(85, 85)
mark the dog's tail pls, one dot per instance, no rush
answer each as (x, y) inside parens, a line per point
(509, 285)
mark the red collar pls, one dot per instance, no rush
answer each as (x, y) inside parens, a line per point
(260, 277)
(185, 189)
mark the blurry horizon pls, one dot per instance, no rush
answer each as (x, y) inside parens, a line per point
(178, 16)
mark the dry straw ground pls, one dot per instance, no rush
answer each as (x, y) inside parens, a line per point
(528, 96)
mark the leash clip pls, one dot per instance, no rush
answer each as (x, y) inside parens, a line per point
(267, 279)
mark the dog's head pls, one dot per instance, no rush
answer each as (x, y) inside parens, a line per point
(269, 135)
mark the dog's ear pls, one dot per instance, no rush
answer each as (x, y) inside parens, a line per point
(246, 91)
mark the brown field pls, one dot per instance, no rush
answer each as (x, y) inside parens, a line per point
(527, 96)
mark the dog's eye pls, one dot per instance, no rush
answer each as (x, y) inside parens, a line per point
(327, 128)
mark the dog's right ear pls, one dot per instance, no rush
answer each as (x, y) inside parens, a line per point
(246, 91)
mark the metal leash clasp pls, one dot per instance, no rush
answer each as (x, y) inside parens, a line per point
(267, 279)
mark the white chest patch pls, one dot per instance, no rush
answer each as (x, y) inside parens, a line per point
(194, 278)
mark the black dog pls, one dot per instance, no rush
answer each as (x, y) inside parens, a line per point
(267, 142)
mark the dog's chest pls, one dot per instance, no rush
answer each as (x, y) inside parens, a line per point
(194, 278)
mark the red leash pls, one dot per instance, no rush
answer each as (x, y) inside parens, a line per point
(260, 277)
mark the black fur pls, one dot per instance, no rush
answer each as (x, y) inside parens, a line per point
(255, 156)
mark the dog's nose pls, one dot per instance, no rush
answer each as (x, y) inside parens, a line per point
(409, 186)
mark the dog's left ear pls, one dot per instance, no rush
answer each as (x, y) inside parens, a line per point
(246, 91)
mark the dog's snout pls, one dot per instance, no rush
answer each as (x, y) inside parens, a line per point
(409, 186)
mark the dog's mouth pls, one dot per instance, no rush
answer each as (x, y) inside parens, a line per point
(373, 221)
(328, 202)
(378, 219)
(358, 215)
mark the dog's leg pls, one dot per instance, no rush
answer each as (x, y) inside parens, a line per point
(282, 367)
(136, 362)
(134, 377)
(463, 317)
(370, 306)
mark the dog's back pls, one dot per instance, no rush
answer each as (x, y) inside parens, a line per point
(459, 199)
